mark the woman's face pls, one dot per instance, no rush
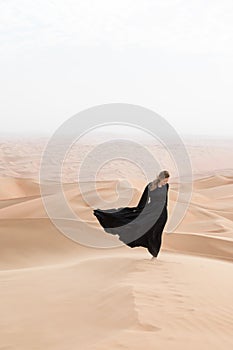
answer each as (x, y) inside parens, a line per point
(164, 181)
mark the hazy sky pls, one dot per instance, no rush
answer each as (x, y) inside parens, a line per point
(60, 57)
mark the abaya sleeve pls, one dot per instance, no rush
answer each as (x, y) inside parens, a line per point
(167, 193)
(144, 198)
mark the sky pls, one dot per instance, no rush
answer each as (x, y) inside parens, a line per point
(60, 57)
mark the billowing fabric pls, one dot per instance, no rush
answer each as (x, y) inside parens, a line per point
(141, 225)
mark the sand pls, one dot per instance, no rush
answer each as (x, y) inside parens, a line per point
(57, 293)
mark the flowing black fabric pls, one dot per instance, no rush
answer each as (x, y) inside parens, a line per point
(141, 225)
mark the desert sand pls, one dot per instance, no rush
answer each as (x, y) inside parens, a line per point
(60, 294)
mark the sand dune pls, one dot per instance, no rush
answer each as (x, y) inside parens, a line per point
(17, 188)
(59, 293)
(127, 302)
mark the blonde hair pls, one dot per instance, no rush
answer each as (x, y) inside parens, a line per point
(162, 175)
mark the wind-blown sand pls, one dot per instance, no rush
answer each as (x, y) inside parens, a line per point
(59, 294)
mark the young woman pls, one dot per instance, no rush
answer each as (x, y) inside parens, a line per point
(141, 225)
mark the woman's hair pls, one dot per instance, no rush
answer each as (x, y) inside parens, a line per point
(162, 175)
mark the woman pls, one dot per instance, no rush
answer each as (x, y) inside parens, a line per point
(141, 225)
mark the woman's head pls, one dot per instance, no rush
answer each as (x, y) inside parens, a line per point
(163, 177)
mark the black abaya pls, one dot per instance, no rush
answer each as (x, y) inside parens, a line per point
(141, 225)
